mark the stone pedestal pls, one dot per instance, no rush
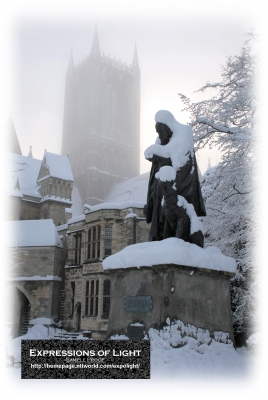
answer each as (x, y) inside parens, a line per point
(149, 295)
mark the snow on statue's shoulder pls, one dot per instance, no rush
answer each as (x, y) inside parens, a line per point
(170, 251)
(180, 146)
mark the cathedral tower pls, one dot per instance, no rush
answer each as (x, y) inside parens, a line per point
(101, 125)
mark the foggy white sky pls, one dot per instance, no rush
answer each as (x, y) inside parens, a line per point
(179, 50)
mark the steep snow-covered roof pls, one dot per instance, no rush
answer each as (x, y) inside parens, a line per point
(77, 208)
(24, 170)
(129, 193)
(58, 166)
(133, 189)
(31, 233)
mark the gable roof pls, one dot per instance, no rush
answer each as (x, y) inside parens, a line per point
(133, 189)
(55, 166)
(22, 173)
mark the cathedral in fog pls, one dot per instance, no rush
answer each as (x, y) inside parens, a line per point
(101, 125)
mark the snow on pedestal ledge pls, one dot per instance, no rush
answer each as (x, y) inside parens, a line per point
(42, 321)
(170, 251)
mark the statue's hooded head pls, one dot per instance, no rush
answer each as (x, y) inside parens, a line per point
(164, 126)
(165, 117)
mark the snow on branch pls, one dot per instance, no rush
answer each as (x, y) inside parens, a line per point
(228, 121)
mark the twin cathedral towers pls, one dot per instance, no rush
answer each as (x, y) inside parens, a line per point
(101, 124)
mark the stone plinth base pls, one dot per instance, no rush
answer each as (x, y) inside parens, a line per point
(149, 295)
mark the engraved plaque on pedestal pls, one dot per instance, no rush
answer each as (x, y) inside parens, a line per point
(138, 304)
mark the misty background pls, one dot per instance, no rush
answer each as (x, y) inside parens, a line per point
(178, 53)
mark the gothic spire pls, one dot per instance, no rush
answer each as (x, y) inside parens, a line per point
(12, 143)
(17, 185)
(95, 46)
(135, 63)
(209, 163)
(71, 63)
(30, 154)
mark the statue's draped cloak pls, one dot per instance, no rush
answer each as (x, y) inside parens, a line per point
(187, 185)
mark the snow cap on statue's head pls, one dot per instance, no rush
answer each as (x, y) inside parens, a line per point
(165, 117)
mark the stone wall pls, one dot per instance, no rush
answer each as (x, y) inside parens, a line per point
(62, 233)
(54, 210)
(36, 280)
(57, 212)
(29, 209)
(13, 208)
(97, 323)
(71, 275)
(37, 261)
(43, 296)
(193, 295)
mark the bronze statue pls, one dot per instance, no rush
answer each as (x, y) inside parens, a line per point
(175, 202)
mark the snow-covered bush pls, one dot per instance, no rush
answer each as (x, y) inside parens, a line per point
(176, 334)
(254, 342)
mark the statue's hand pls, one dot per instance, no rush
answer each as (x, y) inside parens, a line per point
(154, 158)
(160, 160)
(156, 149)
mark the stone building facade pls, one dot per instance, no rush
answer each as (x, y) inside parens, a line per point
(38, 189)
(58, 271)
(38, 197)
(101, 124)
(105, 229)
(36, 275)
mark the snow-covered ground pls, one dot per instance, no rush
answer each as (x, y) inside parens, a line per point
(185, 361)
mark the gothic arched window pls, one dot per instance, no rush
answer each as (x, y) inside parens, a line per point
(93, 246)
(108, 241)
(106, 298)
(77, 248)
(91, 298)
(86, 298)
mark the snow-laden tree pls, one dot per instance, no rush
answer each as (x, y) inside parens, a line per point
(226, 121)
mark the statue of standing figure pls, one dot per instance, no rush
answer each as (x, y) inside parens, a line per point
(174, 199)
